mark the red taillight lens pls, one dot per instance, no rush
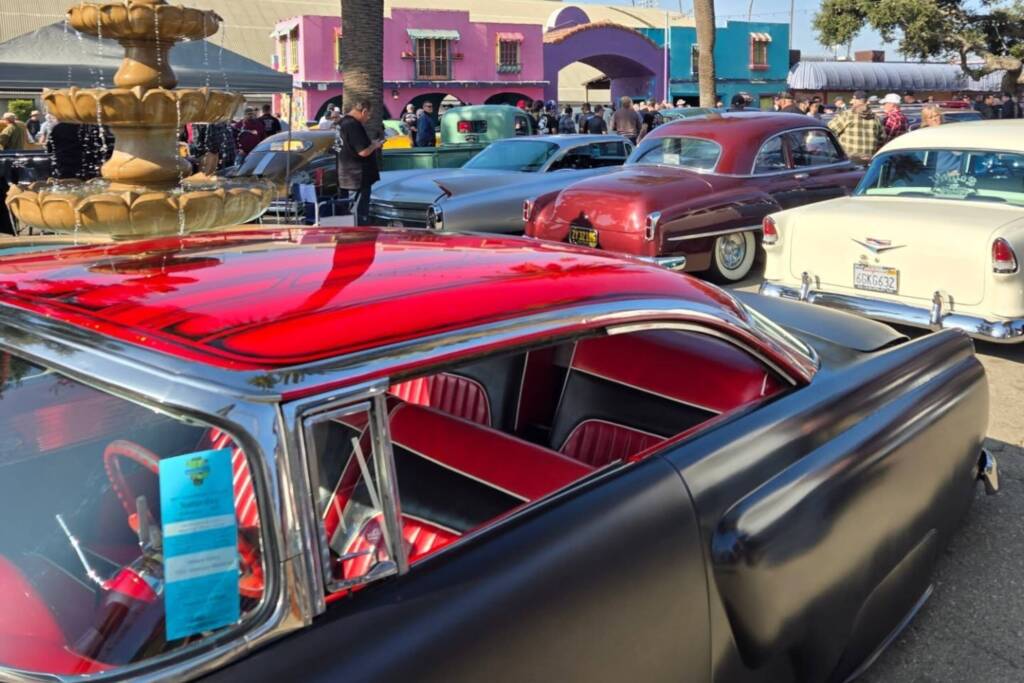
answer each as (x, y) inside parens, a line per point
(465, 127)
(318, 177)
(1004, 260)
(769, 233)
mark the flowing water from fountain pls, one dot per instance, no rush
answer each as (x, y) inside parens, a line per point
(139, 194)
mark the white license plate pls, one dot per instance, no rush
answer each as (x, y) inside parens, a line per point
(876, 278)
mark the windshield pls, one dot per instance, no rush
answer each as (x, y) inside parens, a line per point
(956, 174)
(128, 533)
(684, 152)
(525, 155)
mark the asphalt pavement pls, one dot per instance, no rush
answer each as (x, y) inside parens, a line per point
(972, 628)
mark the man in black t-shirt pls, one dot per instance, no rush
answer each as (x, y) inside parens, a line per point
(357, 158)
(271, 125)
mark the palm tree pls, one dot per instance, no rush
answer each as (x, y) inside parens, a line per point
(704, 17)
(362, 54)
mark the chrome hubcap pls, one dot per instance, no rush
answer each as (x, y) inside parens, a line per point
(732, 249)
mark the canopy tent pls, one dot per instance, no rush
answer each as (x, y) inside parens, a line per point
(51, 57)
(887, 77)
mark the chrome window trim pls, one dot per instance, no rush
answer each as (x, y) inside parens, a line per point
(372, 400)
(254, 427)
(269, 386)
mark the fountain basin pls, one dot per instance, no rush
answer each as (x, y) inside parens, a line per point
(143, 20)
(137, 107)
(102, 208)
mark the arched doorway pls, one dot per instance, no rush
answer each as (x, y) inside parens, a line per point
(510, 98)
(633, 63)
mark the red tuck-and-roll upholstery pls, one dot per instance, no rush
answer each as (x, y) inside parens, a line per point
(598, 442)
(625, 393)
(421, 538)
(453, 394)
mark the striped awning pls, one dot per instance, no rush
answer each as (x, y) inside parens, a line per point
(432, 33)
(887, 77)
(761, 37)
(510, 37)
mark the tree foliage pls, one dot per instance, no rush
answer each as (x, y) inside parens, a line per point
(983, 35)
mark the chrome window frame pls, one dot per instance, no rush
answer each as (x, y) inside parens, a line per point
(111, 368)
(830, 136)
(303, 415)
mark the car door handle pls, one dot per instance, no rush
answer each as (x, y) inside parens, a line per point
(801, 176)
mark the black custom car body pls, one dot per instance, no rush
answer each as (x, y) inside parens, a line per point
(476, 458)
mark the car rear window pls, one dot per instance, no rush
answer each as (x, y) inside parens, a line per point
(683, 152)
(955, 174)
(136, 533)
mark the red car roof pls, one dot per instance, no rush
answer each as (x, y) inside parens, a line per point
(270, 299)
(740, 134)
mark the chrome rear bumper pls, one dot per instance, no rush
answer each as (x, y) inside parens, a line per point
(1001, 331)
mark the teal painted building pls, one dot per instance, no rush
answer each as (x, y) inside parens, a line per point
(750, 57)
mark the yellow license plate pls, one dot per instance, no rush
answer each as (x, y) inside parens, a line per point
(584, 237)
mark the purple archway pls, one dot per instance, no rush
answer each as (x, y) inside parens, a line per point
(633, 62)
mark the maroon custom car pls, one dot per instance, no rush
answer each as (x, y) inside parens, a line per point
(694, 192)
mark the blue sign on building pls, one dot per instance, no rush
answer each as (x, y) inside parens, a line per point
(750, 57)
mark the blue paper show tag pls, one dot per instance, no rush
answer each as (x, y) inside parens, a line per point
(197, 506)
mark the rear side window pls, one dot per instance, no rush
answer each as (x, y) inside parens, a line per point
(465, 446)
(771, 157)
(137, 534)
(813, 148)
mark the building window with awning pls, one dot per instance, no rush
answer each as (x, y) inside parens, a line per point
(433, 53)
(759, 43)
(509, 53)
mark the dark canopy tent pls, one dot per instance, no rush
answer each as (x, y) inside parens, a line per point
(51, 57)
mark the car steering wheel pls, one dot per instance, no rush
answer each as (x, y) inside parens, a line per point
(250, 583)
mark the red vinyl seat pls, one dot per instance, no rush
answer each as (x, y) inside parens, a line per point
(453, 394)
(599, 442)
(30, 637)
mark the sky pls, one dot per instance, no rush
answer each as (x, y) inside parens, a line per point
(804, 38)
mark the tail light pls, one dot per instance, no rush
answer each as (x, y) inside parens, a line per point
(769, 232)
(651, 225)
(527, 210)
(1004, 260)
(318, 177)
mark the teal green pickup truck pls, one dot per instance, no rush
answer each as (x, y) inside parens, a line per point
(464, 132)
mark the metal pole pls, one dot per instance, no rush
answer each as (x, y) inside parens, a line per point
(666, 46)
(792, 12)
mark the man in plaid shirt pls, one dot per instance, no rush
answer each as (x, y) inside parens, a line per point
(895, 123)
(858, 129)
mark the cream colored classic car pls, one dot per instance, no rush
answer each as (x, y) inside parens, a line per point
(931, 237)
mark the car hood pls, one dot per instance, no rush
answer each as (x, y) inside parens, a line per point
(618, 201)
(428, 185)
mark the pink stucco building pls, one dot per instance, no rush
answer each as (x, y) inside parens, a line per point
(428, 54)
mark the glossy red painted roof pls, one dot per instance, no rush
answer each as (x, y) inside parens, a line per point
(739, 133)
(272, 299)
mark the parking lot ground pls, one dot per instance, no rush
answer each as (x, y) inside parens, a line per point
(972, 628)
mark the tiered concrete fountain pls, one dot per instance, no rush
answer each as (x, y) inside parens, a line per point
(146, 188)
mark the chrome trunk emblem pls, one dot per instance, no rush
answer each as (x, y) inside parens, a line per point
(877, 246)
